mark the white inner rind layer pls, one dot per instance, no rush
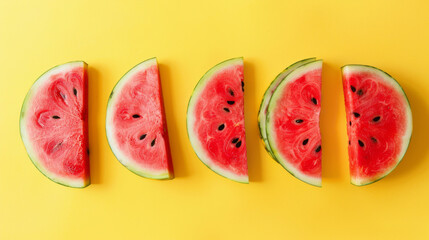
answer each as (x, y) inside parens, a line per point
(42, 80)
(196, 144)
(271, 133)
(389, 80)
(262, 115)
(110, 126)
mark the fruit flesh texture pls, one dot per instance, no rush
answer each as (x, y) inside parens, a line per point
(377, 121)
(140, 129)
(262, 115)
(218, 124)
(55, 125)
(293, 124)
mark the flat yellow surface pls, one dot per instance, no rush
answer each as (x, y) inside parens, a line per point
(188, 38)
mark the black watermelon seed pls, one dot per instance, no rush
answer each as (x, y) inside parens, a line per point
(242, 86)
(55, 117)
(374, 139)
(349, 142)
(75, 91)
(234, 140)
(353, 89)
(226, 109)
(356, 114)
(314, 101)
(299, 121)
(230, 102)
(350, 123)
(361, 143)
(87, 151)
(360, 92)
(305, 142)
(237, 145)
(142, 137)
(221, 127)
(318, 148)
(231, 92)
(376, 119)
(136, 116)
(153, 142)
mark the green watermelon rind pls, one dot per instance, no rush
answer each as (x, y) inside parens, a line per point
(266, 100)
(22, 120)
(190, 121)
(407, 136)
(138, 170)
(270, 134)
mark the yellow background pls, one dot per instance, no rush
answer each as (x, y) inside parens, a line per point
(188, 38)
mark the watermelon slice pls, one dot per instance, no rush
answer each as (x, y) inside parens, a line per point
(292, 123)
(54, 124)
(215, 120)
(136, 126)
(262, 114)
(379, 122)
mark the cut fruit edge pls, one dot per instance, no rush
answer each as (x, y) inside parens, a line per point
(130, 165)
(199, 150)
(262, 114)
(298, 72)
(354, 68)
(65, 181)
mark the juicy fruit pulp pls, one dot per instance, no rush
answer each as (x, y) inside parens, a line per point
(293, 123)
(379, 122)
(263, 108)
(54, 124)
(215, 120)
(135, 123)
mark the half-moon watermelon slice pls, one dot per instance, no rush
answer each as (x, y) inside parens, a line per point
(379, 122)
(136, 126)
(54, 124)
(263, 108)
(215, 120)
(292, 123)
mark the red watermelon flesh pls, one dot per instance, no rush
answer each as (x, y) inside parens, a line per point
(54, 124)
(262, 114)
(293, 123)
(379, 122)
(216, 120)
(136, 124)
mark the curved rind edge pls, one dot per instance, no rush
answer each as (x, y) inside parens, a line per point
(190, 121)
(406, 138)
(263, 107)
(22, 120)
(292, 170)
(138, 170)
